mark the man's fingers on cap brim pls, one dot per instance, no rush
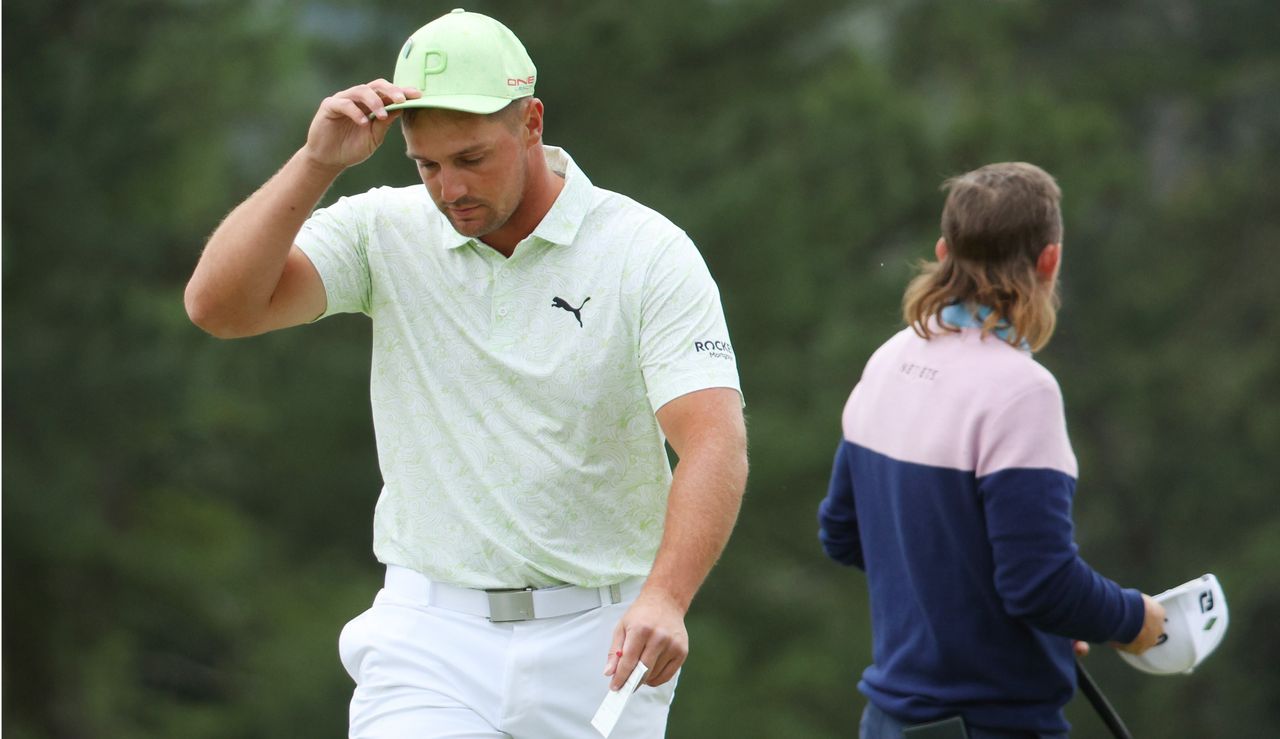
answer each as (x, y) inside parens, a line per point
(390, 93)
(347, 108)
(372, 101)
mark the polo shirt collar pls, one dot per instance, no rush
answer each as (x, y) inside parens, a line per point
(972, 315)
(561, 224)
(449, 237)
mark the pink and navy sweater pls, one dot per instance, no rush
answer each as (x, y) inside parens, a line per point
(952, 489)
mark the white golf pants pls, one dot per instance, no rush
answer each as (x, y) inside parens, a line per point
(424, 672)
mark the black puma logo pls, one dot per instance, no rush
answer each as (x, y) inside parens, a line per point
(577, 312)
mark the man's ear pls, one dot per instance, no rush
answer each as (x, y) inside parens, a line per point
(532, 125)
(1049, 260)
(940, 249)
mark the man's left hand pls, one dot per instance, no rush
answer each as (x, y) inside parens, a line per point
(652, 631)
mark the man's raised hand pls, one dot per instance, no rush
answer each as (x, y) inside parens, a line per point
(351, 125)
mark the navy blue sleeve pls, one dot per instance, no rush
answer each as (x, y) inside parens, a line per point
(837, 517)
(1039, 574)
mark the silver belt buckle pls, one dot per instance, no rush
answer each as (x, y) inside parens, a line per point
(510, 605)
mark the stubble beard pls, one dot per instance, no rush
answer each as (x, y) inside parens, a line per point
(472, 227)
(495, 220)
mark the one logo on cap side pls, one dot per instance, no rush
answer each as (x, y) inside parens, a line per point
(1206, 601)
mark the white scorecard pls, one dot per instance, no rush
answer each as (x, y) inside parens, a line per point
(610, 709)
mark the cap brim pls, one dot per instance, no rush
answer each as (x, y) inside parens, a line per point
(479, 104)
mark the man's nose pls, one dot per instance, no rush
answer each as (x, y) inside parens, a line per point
(452, 186)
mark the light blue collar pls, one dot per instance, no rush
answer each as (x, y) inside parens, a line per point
(969, 315)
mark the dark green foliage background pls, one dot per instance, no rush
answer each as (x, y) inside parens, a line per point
(186, 521)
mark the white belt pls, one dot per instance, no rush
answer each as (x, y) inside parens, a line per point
(508, 605)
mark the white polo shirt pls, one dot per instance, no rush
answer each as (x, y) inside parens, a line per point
(514, 399)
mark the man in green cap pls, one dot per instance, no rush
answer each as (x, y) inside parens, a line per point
(536, 339)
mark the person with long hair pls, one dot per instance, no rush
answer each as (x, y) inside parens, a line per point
(953, 483)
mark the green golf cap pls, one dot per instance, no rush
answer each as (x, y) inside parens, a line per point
(464, 61)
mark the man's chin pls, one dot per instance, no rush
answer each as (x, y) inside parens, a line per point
(471, 229)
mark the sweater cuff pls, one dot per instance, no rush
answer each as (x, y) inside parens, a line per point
(1135, 614)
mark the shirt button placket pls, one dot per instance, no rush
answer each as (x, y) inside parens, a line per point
(501, 307)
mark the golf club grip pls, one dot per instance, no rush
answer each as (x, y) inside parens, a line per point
(1100, 704)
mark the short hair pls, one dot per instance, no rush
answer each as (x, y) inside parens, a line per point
(996, 221)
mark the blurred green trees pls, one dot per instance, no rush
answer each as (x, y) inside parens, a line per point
(187, 521)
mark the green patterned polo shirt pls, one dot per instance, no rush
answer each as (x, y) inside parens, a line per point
(513, 399)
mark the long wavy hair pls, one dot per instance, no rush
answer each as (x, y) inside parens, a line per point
(996, 221)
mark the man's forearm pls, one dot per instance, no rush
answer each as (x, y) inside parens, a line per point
(242, 263)
(706, 494)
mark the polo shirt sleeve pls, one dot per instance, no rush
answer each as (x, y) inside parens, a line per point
(684, 342)
(336, 240)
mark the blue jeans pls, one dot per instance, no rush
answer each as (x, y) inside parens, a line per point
(877, 724)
